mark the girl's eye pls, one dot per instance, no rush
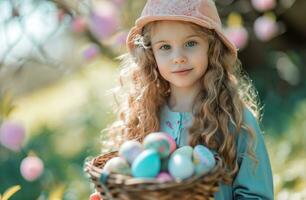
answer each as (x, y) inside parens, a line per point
(191, 43)
(165, 47)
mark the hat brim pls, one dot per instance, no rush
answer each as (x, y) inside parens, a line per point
(206, 23)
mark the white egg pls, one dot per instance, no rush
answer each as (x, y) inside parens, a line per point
(130, 150)
(180, 166)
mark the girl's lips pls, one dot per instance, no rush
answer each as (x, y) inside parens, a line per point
(185, 71)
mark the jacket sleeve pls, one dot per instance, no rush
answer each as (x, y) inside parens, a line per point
(253, 181)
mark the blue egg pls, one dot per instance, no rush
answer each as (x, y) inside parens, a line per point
(180, 166)
(203, 159)
(147, 164)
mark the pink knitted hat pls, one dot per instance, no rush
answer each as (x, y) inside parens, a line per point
(201, 12)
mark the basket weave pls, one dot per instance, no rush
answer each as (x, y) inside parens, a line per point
(120, 187)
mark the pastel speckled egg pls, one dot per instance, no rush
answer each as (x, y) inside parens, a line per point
(130, 150)
(117, 165)
(203, 159)
(172, 143)
(164, 177)
(180, 166)
(147, 164)
(184, 150)
(159, 142)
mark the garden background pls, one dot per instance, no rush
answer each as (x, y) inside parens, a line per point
(58, 63)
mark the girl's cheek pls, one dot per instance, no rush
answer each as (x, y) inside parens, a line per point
(162, 58)
(162, 54)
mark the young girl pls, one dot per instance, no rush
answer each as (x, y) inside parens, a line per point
(186, 81)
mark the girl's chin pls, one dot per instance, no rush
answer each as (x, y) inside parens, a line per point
(181, 85)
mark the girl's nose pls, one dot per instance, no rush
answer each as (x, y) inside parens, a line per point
(179, 57)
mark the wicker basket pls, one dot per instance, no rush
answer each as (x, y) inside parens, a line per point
(120, 187)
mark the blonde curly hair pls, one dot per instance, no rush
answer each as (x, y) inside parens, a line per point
(225, 91)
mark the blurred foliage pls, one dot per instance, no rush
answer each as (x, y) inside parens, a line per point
(63, 149)
(45, 41)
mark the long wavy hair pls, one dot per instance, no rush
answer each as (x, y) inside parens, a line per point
(225, 92)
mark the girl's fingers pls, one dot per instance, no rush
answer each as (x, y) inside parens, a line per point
(95, 196)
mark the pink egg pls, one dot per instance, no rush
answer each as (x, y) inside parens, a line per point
(263, 5)
(265, 28)
(31, 168)
(238, 36)
(164, 177)
(12, 135)
(171, 142)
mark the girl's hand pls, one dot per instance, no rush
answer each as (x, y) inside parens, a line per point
(95, 196)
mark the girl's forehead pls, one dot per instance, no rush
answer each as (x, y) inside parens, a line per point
(171, 29)
(168, 25)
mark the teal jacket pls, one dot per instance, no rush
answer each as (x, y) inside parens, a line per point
(251, 182)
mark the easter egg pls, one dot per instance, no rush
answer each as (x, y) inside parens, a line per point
(159, 142)
(31, 168)
(130, 150)
(164, 177)
(95, 196)
(147, 164)
(117, 165)
(180, 166)
(12, 135)
(184, 150)
(171, 142)
(203, 159)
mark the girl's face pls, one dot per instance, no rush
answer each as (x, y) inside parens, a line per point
(180, 53)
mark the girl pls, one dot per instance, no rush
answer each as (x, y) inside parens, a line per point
(186, 81)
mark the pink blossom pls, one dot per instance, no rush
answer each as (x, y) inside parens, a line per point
(121, 38)
(237, 35)
(79, 25)
(31, 168)
(12, 135)
(91, 52)
(118, 3)
(263, 5)
(265, 28)
(118, 41)
(61, 15)
(104, 20)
